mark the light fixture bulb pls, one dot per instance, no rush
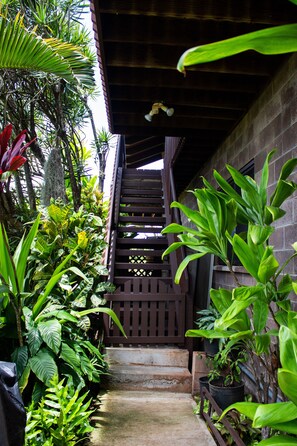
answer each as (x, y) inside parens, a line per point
(170, 111)
(148, 117)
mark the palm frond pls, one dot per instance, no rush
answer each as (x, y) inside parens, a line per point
(25, 50)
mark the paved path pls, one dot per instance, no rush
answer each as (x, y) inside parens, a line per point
(144, 418)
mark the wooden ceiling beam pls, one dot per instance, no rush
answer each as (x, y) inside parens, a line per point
(195, 80)
(246, 12)
(176, 97)
(140, 108)
(166, 58)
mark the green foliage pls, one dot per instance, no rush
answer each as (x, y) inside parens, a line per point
(226, 363)
(206, 318)
(44, 333)
(279, 416)
(269, 41)
(20, 48)
(245, 310)
(62, 230)
(61, 418)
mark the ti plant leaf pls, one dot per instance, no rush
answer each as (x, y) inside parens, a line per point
(269, 41)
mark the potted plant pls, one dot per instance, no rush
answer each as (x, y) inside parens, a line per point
(225, 383)
(205, 321)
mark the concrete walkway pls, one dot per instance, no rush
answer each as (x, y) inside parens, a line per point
(148, 418)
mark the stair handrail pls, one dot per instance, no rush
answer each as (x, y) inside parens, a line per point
(119, 163)
(173, 216)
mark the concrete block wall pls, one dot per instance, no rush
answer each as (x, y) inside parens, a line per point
(271, 123)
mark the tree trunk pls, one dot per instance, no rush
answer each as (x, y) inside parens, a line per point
(54, 184)
(19, 189)
(61, 131)
(30, 188)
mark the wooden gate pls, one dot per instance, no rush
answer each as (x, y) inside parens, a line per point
(150, 312)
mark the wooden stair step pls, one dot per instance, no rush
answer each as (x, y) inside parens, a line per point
(151, 241)
(144, 266)
(120, 280)
(148, 182)
(148, 230)
(139, 252)
(141, 173)
(142, 220)
(139, 192)
(143, 200)
(141, 209)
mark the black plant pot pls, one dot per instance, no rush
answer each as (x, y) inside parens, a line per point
(203, 383)
(224, 396)
(211, 348)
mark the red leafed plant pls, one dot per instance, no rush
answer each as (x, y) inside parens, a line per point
(11, 157)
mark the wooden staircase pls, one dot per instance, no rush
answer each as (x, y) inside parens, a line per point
(150, 308)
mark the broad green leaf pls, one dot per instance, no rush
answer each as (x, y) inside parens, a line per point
(283, 191)
(246, 408)
(59, 314)
(276, 40)
(279, 440)
(287, 168)
(274, 414)
(44, 366)
(287, 381)
(22, 251)
(182, 266)
(221, 299)
(7, 268)
(259, 234)
(264, 178)
(51, 333)
(268, 265)
(50, 285)
(107, 311)
(245, 255)
(174, 246)
(288, 349)
(24, 378)
(247, 334)
(273, 213)
(260, 310)
(34, 340)
(285, 286)
(230, 315)
(193, 216)
(262, 343)
(20, 358)
(209, 334)
(69, 355)
(174, 228)
(230, 191)
(245, 292)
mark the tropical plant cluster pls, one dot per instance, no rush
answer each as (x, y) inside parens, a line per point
(51, 296)
(245, 311)
(48, 96)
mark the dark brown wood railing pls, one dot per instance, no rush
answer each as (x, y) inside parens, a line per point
(120, 157)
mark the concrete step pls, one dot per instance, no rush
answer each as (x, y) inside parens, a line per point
(136, 368)
(167, 357)
(144, 377)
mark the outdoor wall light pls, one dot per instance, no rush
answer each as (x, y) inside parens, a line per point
(155, 110)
